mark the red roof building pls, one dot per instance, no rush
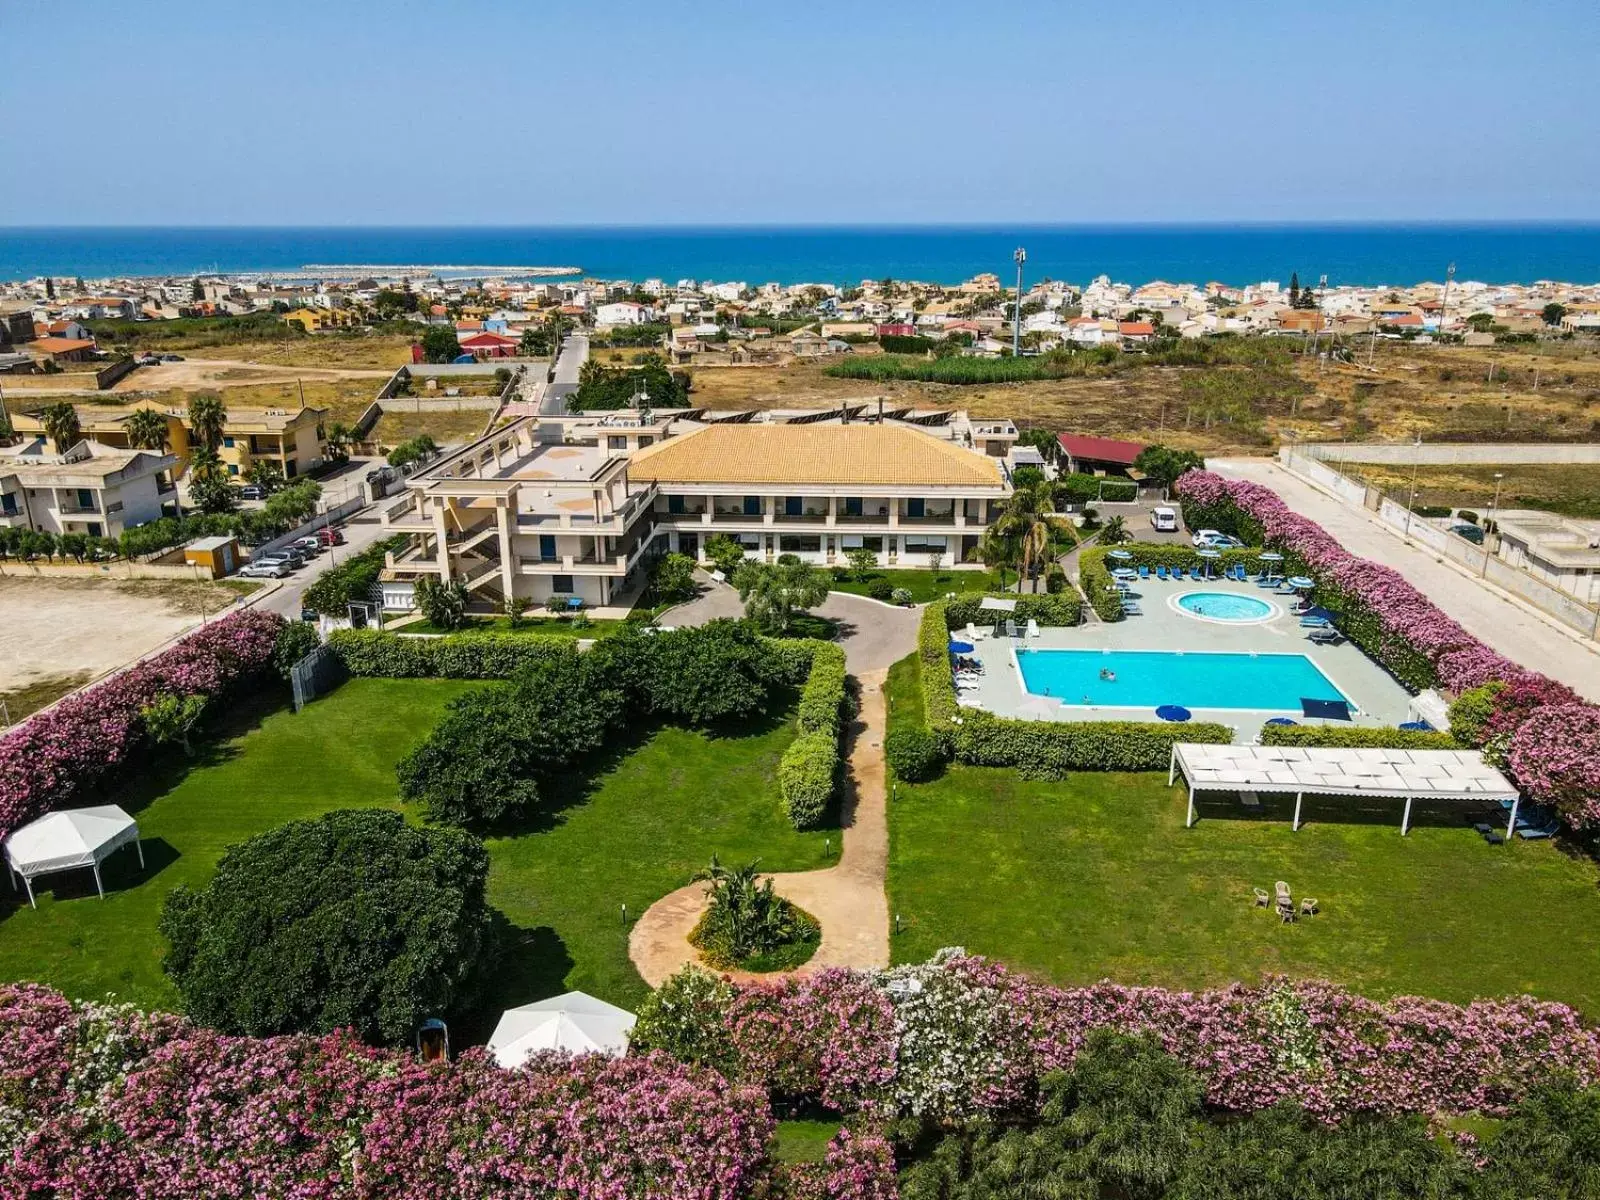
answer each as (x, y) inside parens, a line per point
(489, 345)
(897, 329)
(1088, 454)
(1136, 329)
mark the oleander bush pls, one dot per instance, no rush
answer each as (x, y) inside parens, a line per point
(60, 755)
(354, 920)
(1358, 737)
(1403, 630)
(375, 652)
(1047, 608)
(1050, 749)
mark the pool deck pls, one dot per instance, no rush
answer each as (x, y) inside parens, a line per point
(1380, 699)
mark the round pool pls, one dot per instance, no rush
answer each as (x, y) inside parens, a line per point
(1227, 608)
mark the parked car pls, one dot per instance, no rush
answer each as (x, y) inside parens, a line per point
(288, 561)
(252, 491)
(329, 536)
(172, 358)
(1164, 519)
(264, 568)
(1215, 540)
(148, 360)
(311, 544)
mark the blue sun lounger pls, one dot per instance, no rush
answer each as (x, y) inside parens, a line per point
(1161, 572)
(1144, 572)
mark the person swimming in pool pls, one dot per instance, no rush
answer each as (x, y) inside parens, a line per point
(1107, 674)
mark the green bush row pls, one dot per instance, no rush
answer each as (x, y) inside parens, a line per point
(375, 652)
(807, 776)
(938, 676)
(1049, 749)
(808, 773)
(1154, 554)
(1098, 586)
(1356, 737)
(1061, 608)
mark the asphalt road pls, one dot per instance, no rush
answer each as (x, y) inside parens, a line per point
(574, 353)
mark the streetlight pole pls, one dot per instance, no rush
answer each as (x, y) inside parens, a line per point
(1487, 532)
(1020, 257)
(1416, 462)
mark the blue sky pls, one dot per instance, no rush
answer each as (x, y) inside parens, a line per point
(506, 112)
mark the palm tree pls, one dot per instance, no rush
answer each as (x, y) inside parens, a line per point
(1114, 532)
(61, 425)
(338, 439)
(207, 416)
(1028, 526)
(774, 592)
(147, 430)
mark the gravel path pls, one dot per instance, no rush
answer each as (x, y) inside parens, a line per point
(847, 899)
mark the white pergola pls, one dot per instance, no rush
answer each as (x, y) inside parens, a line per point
(1326, 771)
(69, 840)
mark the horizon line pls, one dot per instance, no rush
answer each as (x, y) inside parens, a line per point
(994, 226)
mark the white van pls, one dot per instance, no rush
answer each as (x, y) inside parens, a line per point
(1164, 519)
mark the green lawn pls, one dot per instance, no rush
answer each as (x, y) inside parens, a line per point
(1096, 877)
(923, 584)
(634, 828)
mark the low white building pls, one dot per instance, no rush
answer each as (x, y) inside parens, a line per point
(1562, 551)
(93, 488)
(623, 312)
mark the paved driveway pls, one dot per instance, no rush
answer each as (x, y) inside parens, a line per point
(873, 635)
(1511, 628)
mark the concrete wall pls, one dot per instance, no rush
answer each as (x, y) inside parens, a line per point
(121, 569)
(1448, 454)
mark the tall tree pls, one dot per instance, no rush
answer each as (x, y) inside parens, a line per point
(207, 416)
(209, 489)
(338, 439)
(147, 429)
(1294, 289)
(440, 344)
(1028, 529)
(774, 592)
(196, 291)
(61, 425)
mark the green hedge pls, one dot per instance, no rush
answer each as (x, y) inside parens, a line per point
(938, 676)
(1049, 749)
(1061, 608)
(1356, 737)
(1095, 579)
(807, 776)
(808, 773)
(795, 656)
(1155, 554)
(375, 652)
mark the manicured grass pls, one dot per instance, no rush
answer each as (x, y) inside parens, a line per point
(924, 584)
(634, 827)
(803, 1140)
(1096, 877)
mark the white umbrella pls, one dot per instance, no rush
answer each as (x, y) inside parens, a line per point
(574, 1022)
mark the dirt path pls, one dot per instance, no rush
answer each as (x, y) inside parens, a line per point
(847, 899)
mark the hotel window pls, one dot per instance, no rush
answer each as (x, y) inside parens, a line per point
(752, 506)
(561, 584)
(8, 504)
(793, 506)
(233, 468)
(925, 545)
(616, 442)
(852, 506)
(801, 543)
(854, 541)
(915, 508)
(645, 440)
(675, 505)
(227, 443)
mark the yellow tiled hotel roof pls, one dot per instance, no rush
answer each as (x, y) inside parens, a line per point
(881, 455)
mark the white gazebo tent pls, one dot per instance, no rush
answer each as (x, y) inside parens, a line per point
(1327, 771)
(69, 840)
(574, 1022)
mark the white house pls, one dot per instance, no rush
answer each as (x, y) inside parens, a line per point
(623, 312)
(92, 488)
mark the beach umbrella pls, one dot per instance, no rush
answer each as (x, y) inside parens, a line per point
(961, 647)
(573, 1022)
(1039, 706)
(1209, 554)
(1173, 712)
(1301, 583)
(1283, 721)
(1120, 555)
(1270, 556)
(1123, 573)
(1335, 710)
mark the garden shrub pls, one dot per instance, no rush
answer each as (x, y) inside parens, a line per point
(1470, 713)
(1062, 608)
(914, 755)
(353, 580)
(808, 775)
(748, 926)
(823, 698)
(900, 596)
(881, 589)
(937, 675)
(295, 640)
(721, 671)
(1555, 756)
(1358, 737)
(60, 754)
(685, 1017)
(1098, 586)
(1049, 749)
(377, 653)
(353, 920)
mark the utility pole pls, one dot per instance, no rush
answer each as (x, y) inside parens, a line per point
(1444, 305)
(1020, 257)
(1489, 533)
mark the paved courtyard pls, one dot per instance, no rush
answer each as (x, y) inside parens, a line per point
(1378, 697)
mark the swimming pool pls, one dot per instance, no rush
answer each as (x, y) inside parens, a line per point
(1229, 608)
(1149, 678)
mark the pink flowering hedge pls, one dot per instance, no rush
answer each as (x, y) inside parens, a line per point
(961, 1035)
(1552, 759)
(57, 756)
(98, 1102)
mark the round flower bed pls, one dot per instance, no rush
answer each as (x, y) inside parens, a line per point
(785, 955)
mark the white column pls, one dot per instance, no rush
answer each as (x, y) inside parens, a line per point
(502, 515)
(97, 884)
(1405, 819)
(1189, 820)
(1511, 825)
(1298, 796)
(833, 510)
(1172, 764)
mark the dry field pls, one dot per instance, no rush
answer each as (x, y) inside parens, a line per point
(396, 425)
(344, 397)
(1564, 488)
(61, 632)
(1442, 393)
(362, 352)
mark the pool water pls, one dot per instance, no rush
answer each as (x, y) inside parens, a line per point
(1225, 606)
(1150, 678)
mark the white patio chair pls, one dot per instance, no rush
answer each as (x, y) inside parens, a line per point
(1033, 628)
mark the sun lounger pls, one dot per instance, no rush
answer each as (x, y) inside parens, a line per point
(1315, 623)
(1196, 574)
(1011, 628)
(1549, 829)
(1132, 609)
(1161, 572)
(1325, 636)
(1144, 572)
(972, 633)
(1033, 628)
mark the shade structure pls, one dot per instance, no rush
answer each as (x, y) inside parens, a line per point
(1336, 771)
(1270, 556)
(1301, 582)
(1124, 573)
(1332, 710)
(961, 647)
(70, 840)
(1209, 552)
(1282, 721)
(1120, 555)
(996, 604)
(1173, 712)
(574, 1022)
